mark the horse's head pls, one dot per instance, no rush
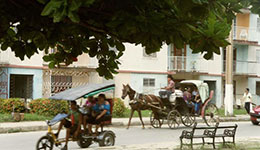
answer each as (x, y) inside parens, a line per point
(125, 91)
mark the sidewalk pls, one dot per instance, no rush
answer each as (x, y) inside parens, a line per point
(116, 122)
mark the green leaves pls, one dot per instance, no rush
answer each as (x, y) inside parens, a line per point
(59, 9)
(99, 28)
(52, 6)
(212, 35)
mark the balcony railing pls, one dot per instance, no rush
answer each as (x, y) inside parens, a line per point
(246, 33)
(186, 64)
(243, 67)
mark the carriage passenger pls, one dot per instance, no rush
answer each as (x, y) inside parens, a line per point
(91, 101)
(187, 97)
(194, 93)
(197, 103)
(100, 113)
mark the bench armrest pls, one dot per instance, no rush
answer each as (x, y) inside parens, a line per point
(228, 132)
(209, 132)
(187, 134)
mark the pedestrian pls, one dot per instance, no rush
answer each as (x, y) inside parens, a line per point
(248, 100)
(168, 89)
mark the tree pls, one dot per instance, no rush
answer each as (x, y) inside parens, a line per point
(95, 26)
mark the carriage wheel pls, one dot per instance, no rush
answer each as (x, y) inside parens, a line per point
(156, 121)
(211, 115)
(174, 119)
(188, 120)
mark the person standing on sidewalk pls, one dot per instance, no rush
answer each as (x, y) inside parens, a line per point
(248, 100)
(168, 89)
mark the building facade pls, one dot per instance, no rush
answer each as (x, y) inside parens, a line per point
(246, 54)
(32, 79)
(144, 73)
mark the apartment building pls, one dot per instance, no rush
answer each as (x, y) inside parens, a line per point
(246, 50)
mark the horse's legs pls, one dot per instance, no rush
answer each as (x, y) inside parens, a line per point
(140, 116)
(131, 115)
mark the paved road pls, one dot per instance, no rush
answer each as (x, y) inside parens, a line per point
(135, 135)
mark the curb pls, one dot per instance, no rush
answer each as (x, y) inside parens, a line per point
(26, 129)
(114, 124)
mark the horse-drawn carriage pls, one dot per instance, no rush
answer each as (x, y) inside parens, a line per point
(175, 110)
(84, 140)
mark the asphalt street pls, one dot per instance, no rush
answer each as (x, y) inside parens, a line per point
(134, 135)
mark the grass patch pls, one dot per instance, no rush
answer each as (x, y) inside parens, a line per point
(27, 117)
(14, 130)
(241, 111)
(35, 117)
(145, 113)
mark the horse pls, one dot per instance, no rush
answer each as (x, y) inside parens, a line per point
(139, 102)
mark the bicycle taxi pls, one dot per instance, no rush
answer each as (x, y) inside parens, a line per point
(84, 140)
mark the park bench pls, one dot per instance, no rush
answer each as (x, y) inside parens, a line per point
(209, 133)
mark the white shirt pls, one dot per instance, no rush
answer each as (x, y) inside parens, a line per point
(247, 97)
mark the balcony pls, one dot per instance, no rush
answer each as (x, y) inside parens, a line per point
(243, 67)
(243, 34)
(186, 64)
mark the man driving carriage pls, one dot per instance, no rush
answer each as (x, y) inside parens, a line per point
(168, 89)
(73, 127)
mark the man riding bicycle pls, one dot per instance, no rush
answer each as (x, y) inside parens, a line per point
(73, 127)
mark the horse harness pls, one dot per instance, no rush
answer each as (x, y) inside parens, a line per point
(138, 98)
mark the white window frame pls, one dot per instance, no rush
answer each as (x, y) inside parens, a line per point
(150, 82)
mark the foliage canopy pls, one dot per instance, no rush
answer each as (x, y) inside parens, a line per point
(100, 28)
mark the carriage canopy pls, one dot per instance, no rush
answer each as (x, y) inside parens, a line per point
(83, 91)
(202, 87)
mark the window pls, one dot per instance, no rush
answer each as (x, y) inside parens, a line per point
(21, 86)
(154, 55)
(60, 83)
(149, 82)
(257, 88)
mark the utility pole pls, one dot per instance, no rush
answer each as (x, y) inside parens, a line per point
(229, 77)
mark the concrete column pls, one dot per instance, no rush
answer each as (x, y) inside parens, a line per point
(229, 77)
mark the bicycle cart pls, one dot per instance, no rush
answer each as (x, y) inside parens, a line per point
(84, 140)
(177, 111)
